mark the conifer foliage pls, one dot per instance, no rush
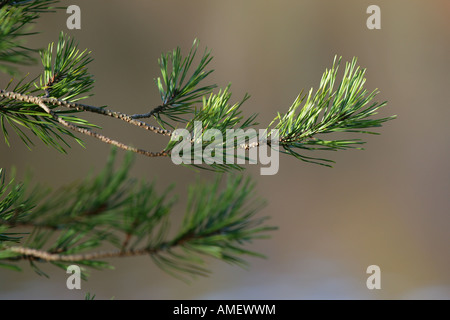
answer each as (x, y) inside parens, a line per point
(75, 224)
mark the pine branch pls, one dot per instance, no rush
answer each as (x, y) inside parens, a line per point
(102, 111)
(65, 76)
(30, 115)
(40, 102)
(216, 113)
(107, 209)
(178, 96)
(74, 224)
(346, 109)
(100, 137)
(33, 254)
(110, 113)
(349, 108)
(15, 19)
(65, 80)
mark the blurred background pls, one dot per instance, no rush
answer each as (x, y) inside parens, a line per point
(387, 205)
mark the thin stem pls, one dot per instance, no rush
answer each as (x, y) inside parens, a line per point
(114, 114)
(156, 110)
(166, 104)
(83, 107)
(40, 102)
(101, 137)
(47, 256)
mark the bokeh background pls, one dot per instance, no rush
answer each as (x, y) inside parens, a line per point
(387, 205)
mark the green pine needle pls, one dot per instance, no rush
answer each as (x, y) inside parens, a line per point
(348, 108)
(179, 91)
(65, 76)
(16, 17)
(112, 209)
